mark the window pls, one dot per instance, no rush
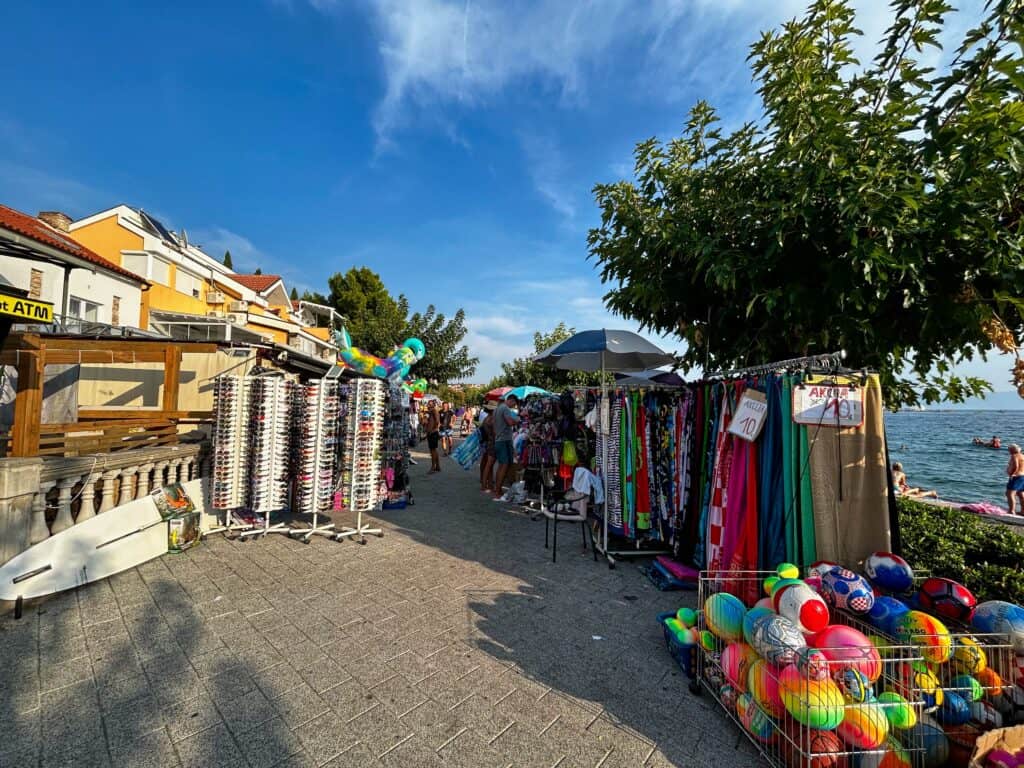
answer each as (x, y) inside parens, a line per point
(187, 284)
(83, 310)
(137, 263)
(160, 271)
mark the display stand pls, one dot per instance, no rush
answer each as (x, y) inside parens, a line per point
(361, 455)
(231, 436)
(316, 449)
(271, 402)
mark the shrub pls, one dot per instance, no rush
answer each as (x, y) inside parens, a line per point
(986, 557)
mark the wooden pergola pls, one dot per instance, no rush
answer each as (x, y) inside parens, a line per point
(99, 430)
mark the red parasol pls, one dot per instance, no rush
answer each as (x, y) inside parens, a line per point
(497, 394)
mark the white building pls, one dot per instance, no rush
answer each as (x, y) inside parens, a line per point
(37, 255)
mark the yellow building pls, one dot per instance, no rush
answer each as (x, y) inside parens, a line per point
(193, 295)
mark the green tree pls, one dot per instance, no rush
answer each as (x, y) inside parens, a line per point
(523, 370)
(447, 358)
(294, 294)
(258, 271)
(875, 208)
(374, 319)
(227, 260)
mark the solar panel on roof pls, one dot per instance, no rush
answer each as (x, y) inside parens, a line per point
(157, 227)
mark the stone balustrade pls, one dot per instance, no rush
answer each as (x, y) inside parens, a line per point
(43, 496)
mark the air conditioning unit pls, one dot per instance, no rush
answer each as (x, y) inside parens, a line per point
(233, 319)
(214, 297)
(238, 306)
(214, 313)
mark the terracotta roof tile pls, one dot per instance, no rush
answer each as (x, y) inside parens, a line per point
(258, 283)
(41, 232)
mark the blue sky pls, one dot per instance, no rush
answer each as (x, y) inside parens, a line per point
(451, 146)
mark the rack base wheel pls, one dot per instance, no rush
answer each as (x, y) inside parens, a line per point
(380, 535)
(363, 541)
(696, 688)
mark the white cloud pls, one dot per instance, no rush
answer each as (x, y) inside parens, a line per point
(502, 324)
(244, 255)
(547, 167)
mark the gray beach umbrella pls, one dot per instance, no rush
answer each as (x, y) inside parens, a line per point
(656, 377)
(604, 350)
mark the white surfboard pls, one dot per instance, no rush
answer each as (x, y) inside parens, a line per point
(113, 541)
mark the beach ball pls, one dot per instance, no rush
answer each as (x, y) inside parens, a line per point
(769, 584)
(889, 572)
(885, 612)
(864, 726)
(898, 711)
(990, 681)
(1001, 617)
(814, 703)
(764, 602)
(812, 664)
(757, 723)
(821, 567)
(802, 606)
(986, 716)
(777, 639)
(847, 647)
(947, 599)
(687, 617)
(915, 682)
(891, 754)
(736, 661)
(926, 632)
(812, 749)
(968, 656)
(751, 618)
(780, 585)
(728, 696)
(966, 686)
(788, 571)
(763, 685)
(846, 590)
(707, 640)
(954, 709)
(723, 615)
(928, 737)
(814, 582)
(855, 686)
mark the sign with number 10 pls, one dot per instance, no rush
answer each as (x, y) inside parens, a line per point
(748, 420)
(828, 405)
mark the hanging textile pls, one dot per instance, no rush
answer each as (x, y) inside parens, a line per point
(719, 485)
(771, 495)
(850, 487)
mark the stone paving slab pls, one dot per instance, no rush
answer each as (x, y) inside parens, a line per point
(451, 641)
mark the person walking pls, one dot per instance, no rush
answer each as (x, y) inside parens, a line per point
(432, 425)
(486, 429)
(505, 418)
(447, 417)
(1015, 484)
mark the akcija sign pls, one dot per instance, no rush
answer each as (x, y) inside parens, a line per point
(828, 405)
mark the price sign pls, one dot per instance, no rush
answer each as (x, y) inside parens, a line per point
(828, 405)
(749, 417)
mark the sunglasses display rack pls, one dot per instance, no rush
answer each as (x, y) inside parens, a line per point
(231, 422)
(361, 453)
(396, 447)
(270, 400)
(318, 414)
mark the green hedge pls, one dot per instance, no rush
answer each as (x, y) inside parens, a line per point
(987, 558)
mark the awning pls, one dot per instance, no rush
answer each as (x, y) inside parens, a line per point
(186, 327)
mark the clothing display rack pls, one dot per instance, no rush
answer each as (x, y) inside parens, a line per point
(317, 406)
(362, 450)
(271, 406)
(231, 421)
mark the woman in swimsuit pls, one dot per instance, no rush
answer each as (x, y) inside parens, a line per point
(1015, 484)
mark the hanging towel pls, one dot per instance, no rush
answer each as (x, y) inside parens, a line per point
(585, 481)
(847, 530)
(771, 496)
(719, 487)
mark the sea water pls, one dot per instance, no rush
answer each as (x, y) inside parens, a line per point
(936, 451)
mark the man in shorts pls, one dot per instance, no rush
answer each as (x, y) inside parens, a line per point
(432, 426)
(505, 418)
(487, 456)
(447, 417)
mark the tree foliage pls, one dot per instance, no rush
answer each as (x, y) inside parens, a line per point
(227, 260)
(875, 208)
(447, 358)
(523, 371)
(295, 294)
(378, 322)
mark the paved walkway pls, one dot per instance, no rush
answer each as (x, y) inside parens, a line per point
(452, 641)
